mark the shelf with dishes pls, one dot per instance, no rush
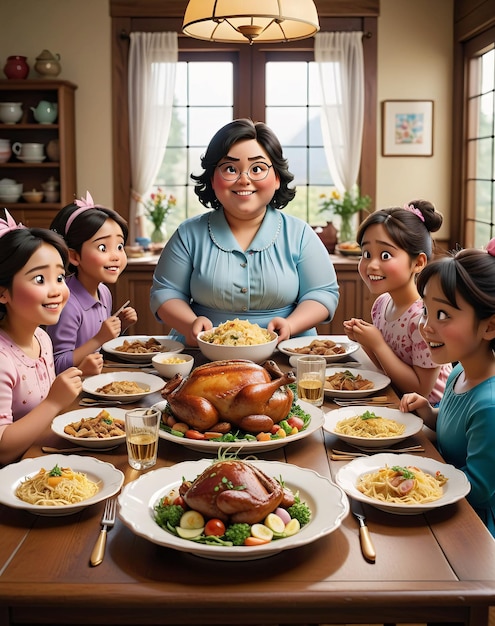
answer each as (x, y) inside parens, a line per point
(37, 148)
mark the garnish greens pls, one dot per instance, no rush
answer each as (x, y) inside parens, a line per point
(369, 415)
(405, 471)
(55, 471)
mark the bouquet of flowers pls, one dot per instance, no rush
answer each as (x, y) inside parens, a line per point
(345, 206)
(158, 206)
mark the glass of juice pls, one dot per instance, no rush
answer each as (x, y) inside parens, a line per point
(141, 434)
(311, 378)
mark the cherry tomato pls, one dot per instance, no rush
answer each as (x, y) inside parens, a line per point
(296, 422)
(215, 527)
(181, 502)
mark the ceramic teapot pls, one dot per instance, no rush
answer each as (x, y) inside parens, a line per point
(47, 64)
(45, 112)
(10, 112)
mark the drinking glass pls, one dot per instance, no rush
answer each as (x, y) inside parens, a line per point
(141, 434)
(311, 378)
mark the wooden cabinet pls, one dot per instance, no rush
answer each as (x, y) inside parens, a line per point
(32, 175)
(135, 284)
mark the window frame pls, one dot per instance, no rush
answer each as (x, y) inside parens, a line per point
(244, 106)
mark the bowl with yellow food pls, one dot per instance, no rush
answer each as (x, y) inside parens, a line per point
(168, 364)
(237, 339)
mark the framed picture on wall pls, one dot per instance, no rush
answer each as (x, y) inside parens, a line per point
(407, 128)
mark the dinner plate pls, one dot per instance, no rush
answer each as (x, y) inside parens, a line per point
(11, 476)
(244, 446)
(380, 381)
(150, 383)
(288, 345)
(454, 489)
(348, 251)
(328, 503)
(59, 423)
(168, 343)
(412, 423)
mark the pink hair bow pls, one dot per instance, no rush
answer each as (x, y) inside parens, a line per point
(413, 209)
(8, 224)
(84, 204)
(490, 248)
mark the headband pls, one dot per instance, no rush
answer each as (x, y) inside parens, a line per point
(490, 248)
(8, 224)
(84, 205)
(413, 209)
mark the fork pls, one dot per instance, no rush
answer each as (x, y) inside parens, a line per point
(376, 401)
(92, 402)
(107, 522)
(342, 455)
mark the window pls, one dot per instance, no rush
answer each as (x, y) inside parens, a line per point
(219, 82)
(480, 178)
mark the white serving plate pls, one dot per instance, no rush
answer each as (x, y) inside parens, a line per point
(12, 475)
(380, 381)
(299, 342)
(246, 447)
(150, 383)
(456, 487)
(348, 251)
(328, 503)
(169, 345)
(59, 423)
(412, 422)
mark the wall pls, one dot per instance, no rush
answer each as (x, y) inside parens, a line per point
(415, 62)
(415, 58)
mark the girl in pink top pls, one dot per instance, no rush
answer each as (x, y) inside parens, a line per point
(32, 293)
(396, 244)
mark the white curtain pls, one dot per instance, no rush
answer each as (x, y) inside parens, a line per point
(341, 69)
(152, 65)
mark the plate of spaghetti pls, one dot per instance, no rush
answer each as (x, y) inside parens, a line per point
(403, 484)
(371, 426)
(57, 485)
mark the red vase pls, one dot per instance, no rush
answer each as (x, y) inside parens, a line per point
(328, 234)
(16, 67)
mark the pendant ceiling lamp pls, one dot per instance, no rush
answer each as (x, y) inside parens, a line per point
(245, 21)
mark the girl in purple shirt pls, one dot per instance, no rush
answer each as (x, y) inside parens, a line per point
(32, 293)
(95, 236)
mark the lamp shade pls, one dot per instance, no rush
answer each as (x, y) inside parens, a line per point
(243, 21)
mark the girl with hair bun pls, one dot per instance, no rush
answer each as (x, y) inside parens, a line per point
(396, 245)
(458, 325)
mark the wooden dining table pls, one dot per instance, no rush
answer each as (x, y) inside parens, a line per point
(433, 567)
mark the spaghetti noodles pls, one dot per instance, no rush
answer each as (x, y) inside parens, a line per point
(57, 487)
(402, 485)
(370, 426)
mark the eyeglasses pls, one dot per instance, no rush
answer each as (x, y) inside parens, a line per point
(255, 172)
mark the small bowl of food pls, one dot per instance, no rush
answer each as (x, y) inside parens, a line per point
(237, 339)
(168, 364)
(33, 196)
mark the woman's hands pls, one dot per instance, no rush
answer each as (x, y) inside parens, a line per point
(280, 326)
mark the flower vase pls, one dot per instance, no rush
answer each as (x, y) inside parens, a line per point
(346, 231)
(158, 234)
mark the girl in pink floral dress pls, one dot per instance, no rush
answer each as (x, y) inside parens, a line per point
(396, 244)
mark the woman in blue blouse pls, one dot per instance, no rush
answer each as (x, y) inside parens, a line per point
(459, 325)
(244, 259)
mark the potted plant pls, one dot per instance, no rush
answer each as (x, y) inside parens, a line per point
(157, 207)
(345, 206)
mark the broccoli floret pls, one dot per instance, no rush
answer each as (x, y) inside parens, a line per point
(168, 514)
(237, 533)
(300, 511)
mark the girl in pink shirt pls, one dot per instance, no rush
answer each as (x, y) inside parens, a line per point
(32, 293)
(396, 244)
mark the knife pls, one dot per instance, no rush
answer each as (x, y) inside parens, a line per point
(367, 547)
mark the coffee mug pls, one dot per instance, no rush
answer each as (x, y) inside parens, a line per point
(28, 150)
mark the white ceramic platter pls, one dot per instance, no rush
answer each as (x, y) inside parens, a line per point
(169, 345)
(246, 447)
(288, 345)
(380, 381)
(109, 477)
(59, 423)
(328, 503)
(412, 423)
(456, 487)
(150, 383)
